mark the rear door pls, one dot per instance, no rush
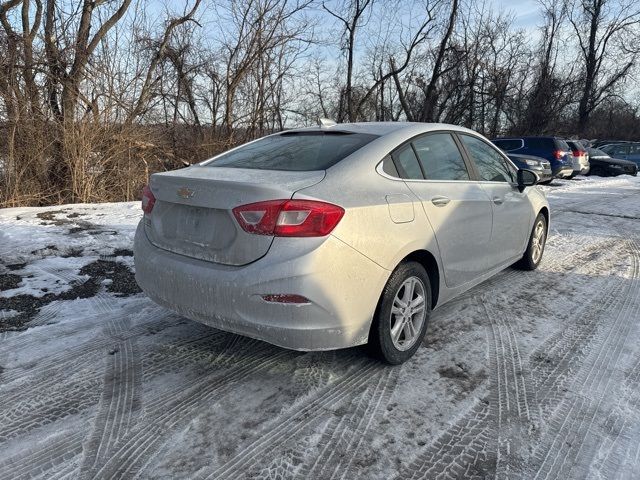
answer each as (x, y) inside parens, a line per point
(512, 215)
(617, 151)
(457, 207)
(634, 154)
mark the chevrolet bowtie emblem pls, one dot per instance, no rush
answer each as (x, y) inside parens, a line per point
(184, 192)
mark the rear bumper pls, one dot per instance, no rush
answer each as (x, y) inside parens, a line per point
(342, 285)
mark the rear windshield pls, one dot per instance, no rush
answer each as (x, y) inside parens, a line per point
(295, 151)
(541, 143)
(562, 145)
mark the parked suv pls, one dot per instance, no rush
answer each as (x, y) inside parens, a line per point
(539, 165)
(553, 149)
(581, 155)
(625, 151)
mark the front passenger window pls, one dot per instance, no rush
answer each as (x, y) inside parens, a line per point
(491, 165)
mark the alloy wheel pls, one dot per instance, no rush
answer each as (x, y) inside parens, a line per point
(408, 313)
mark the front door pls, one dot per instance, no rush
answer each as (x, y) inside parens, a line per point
(512, 213)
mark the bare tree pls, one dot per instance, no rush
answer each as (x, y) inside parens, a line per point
(606, 31)
(351, 17)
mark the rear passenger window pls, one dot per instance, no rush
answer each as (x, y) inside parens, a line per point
(407, 163)
(440, 157)
(508, 145)
(490, 163)
(618, 149)
(562, 145)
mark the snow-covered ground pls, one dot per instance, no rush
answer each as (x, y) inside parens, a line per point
(529, 375)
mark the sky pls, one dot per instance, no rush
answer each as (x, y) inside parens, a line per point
(527, 12)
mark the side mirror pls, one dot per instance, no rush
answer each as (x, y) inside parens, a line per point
(527, 178)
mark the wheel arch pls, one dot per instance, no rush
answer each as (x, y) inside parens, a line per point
(430, 264)
(545, 211)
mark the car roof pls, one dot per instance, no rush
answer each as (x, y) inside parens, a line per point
(527, 137)
(384, 128)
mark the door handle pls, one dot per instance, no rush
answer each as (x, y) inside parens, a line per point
(440, 201)
(498, 200)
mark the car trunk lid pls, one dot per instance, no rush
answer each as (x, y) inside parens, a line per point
(192, 214)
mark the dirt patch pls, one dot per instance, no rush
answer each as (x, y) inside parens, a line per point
(49, 218)
(28, 306)
(73, 252)
(45, 251)
(122, 252)
(463, 379)
(457, 371)
(16, 266)
(123, 282)
(9, 281)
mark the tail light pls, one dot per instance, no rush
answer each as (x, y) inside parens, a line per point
(578, 153)
(558, 154)
(289, 218)
(148, 200)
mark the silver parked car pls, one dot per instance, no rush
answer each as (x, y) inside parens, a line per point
(338, 235)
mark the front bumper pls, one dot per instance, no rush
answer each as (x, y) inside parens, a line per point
(343, 287)
(544, 175)
(622, 171)
(564, 171)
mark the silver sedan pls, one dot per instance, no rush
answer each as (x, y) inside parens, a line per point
(338, 235)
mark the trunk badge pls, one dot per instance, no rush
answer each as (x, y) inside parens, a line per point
(184, 192)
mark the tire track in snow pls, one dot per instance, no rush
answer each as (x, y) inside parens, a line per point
(464, 450)
(120, 400)
(301, 419)
(48, 366)
(512, 279)
(562, 449)
(555, 362)
(169, 411)
(626, 458)
(342, 440)
(485, 441)
(71, 397)
(512, 393)
(32, 463)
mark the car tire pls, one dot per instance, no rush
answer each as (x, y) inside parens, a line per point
(398, 328)
(535, 248)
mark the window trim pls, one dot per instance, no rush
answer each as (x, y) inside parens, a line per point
(400, 168)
